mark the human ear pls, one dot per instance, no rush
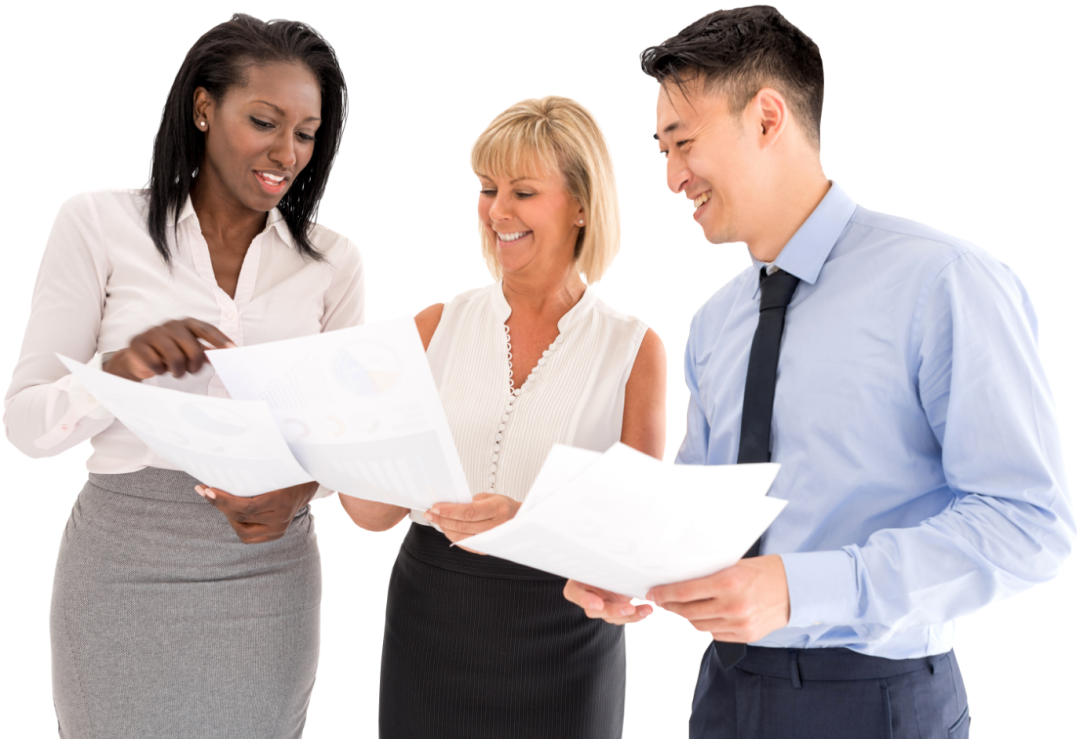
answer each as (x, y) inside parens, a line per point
(771, 114)
(201, 110)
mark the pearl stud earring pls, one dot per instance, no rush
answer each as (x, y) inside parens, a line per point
(202, 123)
(581, 222)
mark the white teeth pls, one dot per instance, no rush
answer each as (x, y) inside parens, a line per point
(273, 178)
(701, 199)
(511, 237)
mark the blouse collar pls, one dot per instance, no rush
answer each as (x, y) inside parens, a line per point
(571, 317)
(274, 220)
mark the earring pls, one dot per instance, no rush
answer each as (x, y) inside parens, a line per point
(581, 222)
(202, 124)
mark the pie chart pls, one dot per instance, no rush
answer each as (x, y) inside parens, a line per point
(368, 369)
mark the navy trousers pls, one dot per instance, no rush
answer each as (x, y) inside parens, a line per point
(829, 694)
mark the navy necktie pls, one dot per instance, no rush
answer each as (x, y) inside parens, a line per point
(776, 292)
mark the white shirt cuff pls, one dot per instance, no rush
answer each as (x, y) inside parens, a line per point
(80, 404)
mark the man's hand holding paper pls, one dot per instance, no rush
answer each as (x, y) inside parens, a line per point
(596, 520)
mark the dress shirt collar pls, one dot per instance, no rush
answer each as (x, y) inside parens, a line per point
(274, 220)
(806, 252)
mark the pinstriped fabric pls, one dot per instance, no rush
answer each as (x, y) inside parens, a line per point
(476, 647)
(497, 657)
(575, 397)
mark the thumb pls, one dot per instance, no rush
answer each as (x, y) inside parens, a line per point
(139, 368)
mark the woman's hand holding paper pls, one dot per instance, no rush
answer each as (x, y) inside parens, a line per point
(599, 603)
(461, 520)
(263, 517)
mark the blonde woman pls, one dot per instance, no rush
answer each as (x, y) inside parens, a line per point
(477, 646)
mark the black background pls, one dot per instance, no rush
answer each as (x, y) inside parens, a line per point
(946, 122)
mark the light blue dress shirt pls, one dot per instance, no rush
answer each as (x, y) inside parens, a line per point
(913, 424)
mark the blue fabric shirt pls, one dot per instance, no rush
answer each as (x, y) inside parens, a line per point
(913, 424)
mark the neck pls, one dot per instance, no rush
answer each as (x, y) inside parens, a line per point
(549, 295)
(224, 222)
(789, 201)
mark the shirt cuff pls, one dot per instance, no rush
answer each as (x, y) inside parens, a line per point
(80, 404)
(822, 588)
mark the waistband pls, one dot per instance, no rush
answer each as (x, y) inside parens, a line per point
(431, 546)
(830, 664)
(174, 486)
(155, 483)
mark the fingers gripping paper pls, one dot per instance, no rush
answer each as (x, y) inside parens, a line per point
(626, 522)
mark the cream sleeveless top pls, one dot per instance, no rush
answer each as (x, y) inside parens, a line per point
(573, 396)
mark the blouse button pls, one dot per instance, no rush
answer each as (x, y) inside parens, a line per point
(230, 316)
(502, 426)
(492, 469)
(498, 437)
(540, 362)
(495, 448)
(491, 480)
(546, 352)
(558, 339)
(494, 457)
(505, 418)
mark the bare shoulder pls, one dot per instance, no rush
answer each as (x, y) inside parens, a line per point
(651, 357)
(427, 321)
(646, 390)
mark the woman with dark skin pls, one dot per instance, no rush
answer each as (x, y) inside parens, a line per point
(165, 622)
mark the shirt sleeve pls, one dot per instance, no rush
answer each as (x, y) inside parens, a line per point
(695, 445)
(1009, 526)
(46, 410)
(344, 301)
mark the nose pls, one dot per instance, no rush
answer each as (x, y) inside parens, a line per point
(678, 174)
(283, 150)
(500, 207)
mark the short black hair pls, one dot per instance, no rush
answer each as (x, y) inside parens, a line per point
(217, 62)
(740, 51)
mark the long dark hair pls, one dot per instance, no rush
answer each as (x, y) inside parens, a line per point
(217, 62)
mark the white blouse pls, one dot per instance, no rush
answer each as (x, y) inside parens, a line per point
(102, 282)
(573, 396)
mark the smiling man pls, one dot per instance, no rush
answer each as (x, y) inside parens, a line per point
(890, 369)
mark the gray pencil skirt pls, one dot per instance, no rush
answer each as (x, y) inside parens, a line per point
(165, 625)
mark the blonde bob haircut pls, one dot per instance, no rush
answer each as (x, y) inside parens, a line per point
(555, 134)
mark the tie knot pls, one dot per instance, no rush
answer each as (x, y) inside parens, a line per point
(777, 289)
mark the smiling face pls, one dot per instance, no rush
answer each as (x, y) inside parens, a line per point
(711, 157)
(533, 221)
(260, 136)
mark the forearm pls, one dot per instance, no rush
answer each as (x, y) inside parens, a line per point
(370, 515)
(978, 551)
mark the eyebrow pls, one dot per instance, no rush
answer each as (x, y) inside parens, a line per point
(670, 127)
(282, 112)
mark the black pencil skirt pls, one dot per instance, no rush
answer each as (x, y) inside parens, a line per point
(479, 647)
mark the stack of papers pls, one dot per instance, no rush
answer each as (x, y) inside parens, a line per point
(625, 522)
(355, 409)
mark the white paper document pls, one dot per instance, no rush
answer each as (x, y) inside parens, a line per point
(227, 444)
(359, 409)
(626, 522)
